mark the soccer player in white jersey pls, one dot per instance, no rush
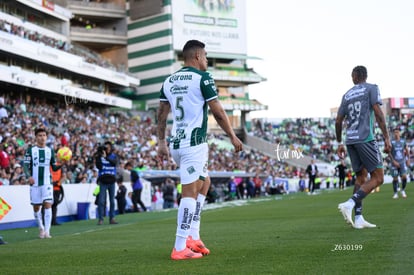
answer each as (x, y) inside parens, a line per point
(38, 159)
(188, 93)
(360, 107)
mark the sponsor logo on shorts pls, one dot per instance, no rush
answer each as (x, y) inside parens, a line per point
(190, 170)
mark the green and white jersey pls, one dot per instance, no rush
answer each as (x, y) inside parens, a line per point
(188, 91)
(357, 108)
(37, 162)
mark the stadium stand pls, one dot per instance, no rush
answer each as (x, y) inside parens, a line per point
(315, 137)
(86, 126)
(82, 124)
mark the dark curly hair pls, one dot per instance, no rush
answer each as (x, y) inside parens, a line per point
(360, 73)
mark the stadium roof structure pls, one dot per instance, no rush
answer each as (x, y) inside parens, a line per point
(231, 56)
(236, 75)
(243, 104)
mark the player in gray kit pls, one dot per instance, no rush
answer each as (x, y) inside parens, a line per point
(360, 107)
(399, 156)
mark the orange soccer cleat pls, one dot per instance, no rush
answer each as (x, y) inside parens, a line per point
(197, 246)
(185, 254)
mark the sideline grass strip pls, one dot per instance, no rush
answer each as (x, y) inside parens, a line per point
(293, 234)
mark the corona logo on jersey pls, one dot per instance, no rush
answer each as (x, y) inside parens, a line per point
(64, 153)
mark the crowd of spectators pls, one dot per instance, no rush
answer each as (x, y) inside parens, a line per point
(82, 128)
(88, 55)
(316, 136)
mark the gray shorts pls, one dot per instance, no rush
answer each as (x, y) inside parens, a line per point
(365, 155)
(395, 172)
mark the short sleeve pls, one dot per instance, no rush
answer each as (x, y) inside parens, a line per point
(162, 94)
(208, 87)
(375, 96)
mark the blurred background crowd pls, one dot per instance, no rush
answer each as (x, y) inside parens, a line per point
(83, 127)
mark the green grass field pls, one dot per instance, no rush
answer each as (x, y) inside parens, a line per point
(292, 234)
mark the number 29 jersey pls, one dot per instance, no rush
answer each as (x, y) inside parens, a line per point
(188, 90)
(357, 108)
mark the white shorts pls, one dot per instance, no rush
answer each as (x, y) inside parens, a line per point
(192, 162)
(39, 194)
